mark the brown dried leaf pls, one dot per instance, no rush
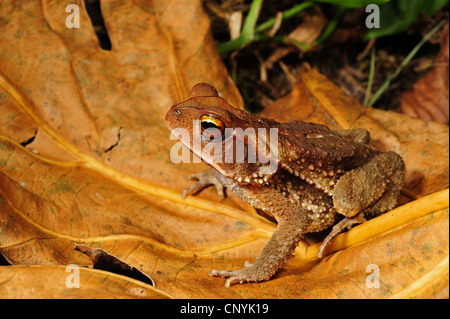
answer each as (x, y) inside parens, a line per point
(429, 97)
(98, 171)
(104, 261)
(307, 32)
(50, 282)
(311, 28)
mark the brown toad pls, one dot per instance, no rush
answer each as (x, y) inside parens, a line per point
(304, 174)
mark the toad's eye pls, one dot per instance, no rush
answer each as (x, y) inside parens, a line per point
(211, 127)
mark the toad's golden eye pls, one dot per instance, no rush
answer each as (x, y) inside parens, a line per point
(211, 127)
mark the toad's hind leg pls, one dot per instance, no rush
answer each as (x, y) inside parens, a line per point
(369, 190)
(372, 187)
(344, 224)
(277, 251)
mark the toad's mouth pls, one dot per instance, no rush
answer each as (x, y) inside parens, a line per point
(231, 157)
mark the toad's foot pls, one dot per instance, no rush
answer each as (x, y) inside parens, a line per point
(344, 224)
(277, 251)
(205, 179)
(249, 274)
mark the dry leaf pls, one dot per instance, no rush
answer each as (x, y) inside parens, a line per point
(311, 28)
(429, 98)
(104, 261)
(56, 282)
(98, 170)
(307, 32)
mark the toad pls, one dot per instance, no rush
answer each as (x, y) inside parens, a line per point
(305, 175)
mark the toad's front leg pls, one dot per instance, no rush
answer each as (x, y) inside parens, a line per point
(205, 179)
(276, 252)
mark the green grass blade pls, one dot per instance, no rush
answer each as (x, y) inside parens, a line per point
(405, 61)
(371, 76)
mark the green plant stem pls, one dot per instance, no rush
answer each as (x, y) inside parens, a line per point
(331, 26)
(371, 76)
(286, 15)
(405, 61)
(250, 33)
(248, 29)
